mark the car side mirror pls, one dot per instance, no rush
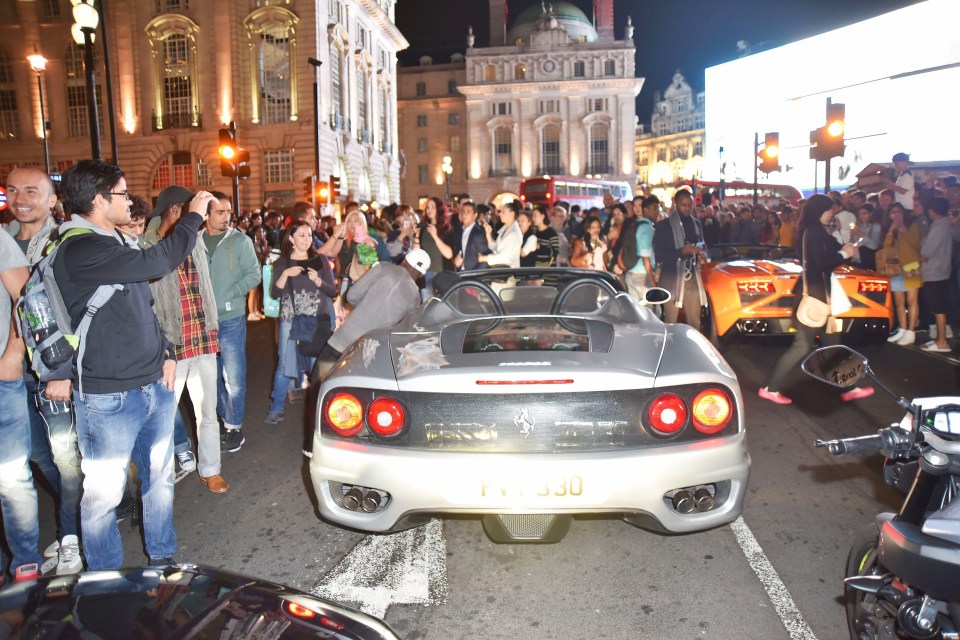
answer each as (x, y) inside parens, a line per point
(837, 365)
(656, 295)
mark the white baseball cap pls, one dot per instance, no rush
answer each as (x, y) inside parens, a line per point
(418, 259)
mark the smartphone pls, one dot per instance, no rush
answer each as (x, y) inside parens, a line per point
(859, 241)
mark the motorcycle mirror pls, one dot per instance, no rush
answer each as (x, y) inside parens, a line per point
(656, 295)
(836, 365)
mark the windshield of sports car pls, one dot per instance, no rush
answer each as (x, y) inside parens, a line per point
(526, 334)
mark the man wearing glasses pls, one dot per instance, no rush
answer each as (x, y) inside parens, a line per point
(124, 390)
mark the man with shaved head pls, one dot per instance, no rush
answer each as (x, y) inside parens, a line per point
(53, 437)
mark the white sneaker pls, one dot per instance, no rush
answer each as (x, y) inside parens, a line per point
(51, 551)
(896, 335)
(70, 560)
(187, 461)
(908, 337)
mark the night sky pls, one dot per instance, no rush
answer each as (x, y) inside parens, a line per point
(689, 35)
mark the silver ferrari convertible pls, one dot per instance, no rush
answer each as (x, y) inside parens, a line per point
(528, 397)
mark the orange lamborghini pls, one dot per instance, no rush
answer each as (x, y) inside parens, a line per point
(750, 292)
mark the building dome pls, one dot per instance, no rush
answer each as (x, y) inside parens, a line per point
(567, 15)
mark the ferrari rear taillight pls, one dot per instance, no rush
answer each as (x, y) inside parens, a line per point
(667, 414)
(755, 286)
(345, 414)
(711, 411)
(386, 416)
(873, 286)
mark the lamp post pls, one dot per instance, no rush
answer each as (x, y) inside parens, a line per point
(447, 168)
(83, 31)
(39, 64)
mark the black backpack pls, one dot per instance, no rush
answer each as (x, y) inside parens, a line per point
(628, 244)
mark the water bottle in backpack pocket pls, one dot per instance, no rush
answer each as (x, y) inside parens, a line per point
(44, 335)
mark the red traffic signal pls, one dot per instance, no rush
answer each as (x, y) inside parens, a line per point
(770, 154)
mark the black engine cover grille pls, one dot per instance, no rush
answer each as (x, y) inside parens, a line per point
(531, 422)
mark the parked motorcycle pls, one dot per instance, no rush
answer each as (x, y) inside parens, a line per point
(904, 575)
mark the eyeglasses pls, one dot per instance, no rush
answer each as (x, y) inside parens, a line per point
(125, 194)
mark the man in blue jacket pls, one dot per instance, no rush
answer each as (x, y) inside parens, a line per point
(124, 391)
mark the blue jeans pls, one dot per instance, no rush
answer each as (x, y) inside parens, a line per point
(54, 450)
(290, 368)
(181, 441)
(112, 427)
(18, 496)
(232, 366)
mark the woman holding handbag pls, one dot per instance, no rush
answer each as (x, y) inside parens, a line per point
(903, 239)
(820, 254)
(303, 282)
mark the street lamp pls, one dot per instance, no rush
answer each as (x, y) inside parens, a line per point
(447, 168)
(39, 64)
(83, 30)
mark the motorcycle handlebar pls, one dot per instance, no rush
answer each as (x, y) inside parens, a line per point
(887, 441)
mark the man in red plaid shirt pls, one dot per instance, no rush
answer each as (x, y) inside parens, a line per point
(187, 309)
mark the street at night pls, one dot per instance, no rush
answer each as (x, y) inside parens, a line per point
(775, 573)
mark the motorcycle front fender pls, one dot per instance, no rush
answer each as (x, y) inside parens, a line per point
(883, 517)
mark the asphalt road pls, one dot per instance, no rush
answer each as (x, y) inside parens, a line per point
(776, 573)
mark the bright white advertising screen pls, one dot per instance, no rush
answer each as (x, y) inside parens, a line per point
(898, 75)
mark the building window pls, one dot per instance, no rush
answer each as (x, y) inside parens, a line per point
(363, 111)
(490, 73)
(278, 165)
(421, 88)
(274, 75)
(50, 10)
(382, 107)
(599, 156)
(421, 121)
(335, 11)
(597, 104)
(176, 168)
(662, 154)
(502, 108)
(78, 122)
(579, 69)
(680, 106)
(643, 157)
(519, 72)
(174, 38)
(422, 174)
(698, 148)
(549, 106)
(336, 88)
(662, 129)
(609, 68)
(454, 143)
(502, 149)
(453, 118)
(422, 145)
(452, 87)
(679, 152)
(164, 6)
(550, 149)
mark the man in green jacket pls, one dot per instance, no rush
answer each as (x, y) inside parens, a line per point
(235, 270)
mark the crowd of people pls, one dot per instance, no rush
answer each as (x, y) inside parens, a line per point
(193, 273)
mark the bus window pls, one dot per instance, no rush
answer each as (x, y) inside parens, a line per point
(594, 190)
(560, 188)
(535, 187)
(575, 188)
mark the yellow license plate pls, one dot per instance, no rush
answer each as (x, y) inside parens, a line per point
(556, 487)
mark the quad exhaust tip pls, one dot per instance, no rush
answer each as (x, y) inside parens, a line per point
(363, 499)
(691, 499)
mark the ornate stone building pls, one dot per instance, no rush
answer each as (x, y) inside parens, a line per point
(672, 150)
(554, 94)
(433, 124)
(183, 68)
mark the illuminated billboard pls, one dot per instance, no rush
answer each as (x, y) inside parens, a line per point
(898, 75)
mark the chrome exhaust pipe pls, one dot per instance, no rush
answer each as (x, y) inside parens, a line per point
(371, 501)
(683, 502)
(748, 326)
(703, 499)
(352, 499)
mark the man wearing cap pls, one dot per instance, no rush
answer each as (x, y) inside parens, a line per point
(904, 186)
(186, 307)
(381, 298)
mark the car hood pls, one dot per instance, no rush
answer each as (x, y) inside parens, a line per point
(630, 362)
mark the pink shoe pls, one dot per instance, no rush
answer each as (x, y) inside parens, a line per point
(774, 396)
(856, 394)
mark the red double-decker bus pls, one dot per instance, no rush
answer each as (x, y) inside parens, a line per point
(586, 192)
(738, 192)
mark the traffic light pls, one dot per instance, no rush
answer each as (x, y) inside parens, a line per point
(228, 151)
(833, 140)
(243, 163)
(334, 188)
(323, 192)
(309, 187)
(770, 154)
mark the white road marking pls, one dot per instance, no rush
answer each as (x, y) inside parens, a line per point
(792, 620)
(409, 567)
